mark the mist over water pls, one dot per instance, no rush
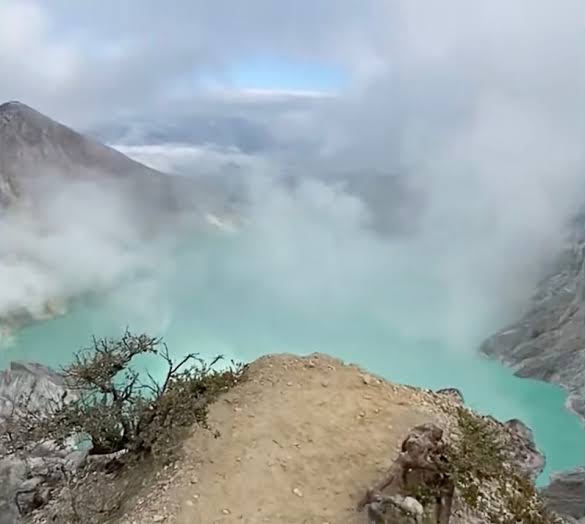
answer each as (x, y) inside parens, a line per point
(306, 273)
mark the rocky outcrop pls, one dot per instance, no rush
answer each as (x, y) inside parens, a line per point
(566, 493)
(475, 471)
(515, 438)
(30, 383)
(26, 481)
(520, 449)
(452, 393)
(548, 343)
(27, 477)
(472, 468)
(419, 468)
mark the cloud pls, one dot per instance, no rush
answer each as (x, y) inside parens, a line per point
(29, 56)
(206, 160)
(478, 105)
(79, 239)
(124, 57)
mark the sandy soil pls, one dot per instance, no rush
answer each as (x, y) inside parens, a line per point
(298, 442)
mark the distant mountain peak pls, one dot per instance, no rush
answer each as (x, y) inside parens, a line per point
(22, 123)
(33, 146)
(36, 152)
(31, 141)
(11, 105)
(16, 108)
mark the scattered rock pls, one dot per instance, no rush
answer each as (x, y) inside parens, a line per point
(366, 379)
(393, 509)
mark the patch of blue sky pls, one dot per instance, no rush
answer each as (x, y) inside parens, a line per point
(271, 73)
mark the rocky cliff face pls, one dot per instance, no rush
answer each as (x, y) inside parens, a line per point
(548, 342)
(566, 493)
(26, 477)
(36, 383)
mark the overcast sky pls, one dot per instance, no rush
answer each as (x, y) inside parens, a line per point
(378, 84)
(79, 60)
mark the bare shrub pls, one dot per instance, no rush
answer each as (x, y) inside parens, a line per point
(119, 408)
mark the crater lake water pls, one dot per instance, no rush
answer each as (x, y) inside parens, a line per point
(222, 296)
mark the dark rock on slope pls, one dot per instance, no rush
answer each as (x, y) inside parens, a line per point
(548, 343)
(566, 493)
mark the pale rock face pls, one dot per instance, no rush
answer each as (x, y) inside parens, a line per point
(35, 382)
(548, 343)
(25, 479)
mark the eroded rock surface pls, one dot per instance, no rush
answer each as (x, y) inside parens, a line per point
(26, 477)
(566, 493)
(548, 343)
(521, 449)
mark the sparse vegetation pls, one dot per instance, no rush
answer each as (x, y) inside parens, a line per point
(478, 465)
(119, 408)
(134, 422)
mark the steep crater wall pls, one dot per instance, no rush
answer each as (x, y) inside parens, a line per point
(548, 342)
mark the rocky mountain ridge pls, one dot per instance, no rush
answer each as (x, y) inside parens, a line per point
(32, 145)
(37, 152)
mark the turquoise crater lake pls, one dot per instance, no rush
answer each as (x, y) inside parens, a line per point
(225, 295)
